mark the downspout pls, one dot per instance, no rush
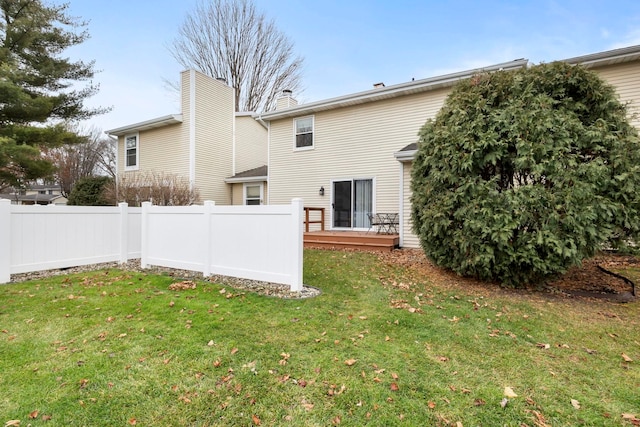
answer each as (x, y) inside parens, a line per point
(268, 126)
(401, 205)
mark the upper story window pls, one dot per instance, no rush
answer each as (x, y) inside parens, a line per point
(304, 132)
(131, 152)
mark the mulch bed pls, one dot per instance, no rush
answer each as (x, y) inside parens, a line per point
(585, 282)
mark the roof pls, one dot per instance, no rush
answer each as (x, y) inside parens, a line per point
(388, 92)
(146, 125)
(32, 197)
(251, 175)
(407, 153)
(608, 57)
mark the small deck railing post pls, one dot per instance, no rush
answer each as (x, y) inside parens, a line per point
(307, 211)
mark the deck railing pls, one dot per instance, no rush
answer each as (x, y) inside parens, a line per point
(307, 222)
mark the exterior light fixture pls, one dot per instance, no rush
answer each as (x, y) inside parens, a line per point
(321, 192)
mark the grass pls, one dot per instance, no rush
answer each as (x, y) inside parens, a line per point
(119, 348)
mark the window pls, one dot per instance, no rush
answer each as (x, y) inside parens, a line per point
(253, 194)
(131, 152)
(304, 132)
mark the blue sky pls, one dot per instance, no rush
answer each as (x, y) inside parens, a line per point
(347, 45)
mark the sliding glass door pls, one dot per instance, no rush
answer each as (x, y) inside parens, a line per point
(352, 201)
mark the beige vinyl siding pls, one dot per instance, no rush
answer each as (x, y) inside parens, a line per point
(214, 106)
(160, 150)
(626, 79)
(251, 144)
(410, 240)
(351, 142)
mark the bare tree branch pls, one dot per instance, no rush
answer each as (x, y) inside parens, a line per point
(95, 156)
(232, 40)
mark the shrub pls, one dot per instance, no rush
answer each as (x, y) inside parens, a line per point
(162, 189)
(90, 191)
(523, 174)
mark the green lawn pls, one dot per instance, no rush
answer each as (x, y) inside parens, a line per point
(116, 348)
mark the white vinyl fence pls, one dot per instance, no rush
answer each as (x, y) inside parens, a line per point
(253, 242)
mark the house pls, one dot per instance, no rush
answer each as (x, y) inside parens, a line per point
(206, 143)
(352, 155)
(349, 156)
(37, 194)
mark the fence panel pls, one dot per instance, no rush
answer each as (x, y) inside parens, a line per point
(173, 236)
(36, 238)
(253, 242)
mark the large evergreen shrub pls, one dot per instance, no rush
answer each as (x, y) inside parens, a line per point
(525, 173)
(90, 191)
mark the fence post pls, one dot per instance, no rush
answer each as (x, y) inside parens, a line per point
(124, 233)
(5, 241)
(208, 239)
(144, 234)
(297, 225)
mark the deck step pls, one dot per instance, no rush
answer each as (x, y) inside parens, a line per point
(352, 240)
(344, 245)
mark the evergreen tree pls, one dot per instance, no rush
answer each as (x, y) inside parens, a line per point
(37, 86)
(523, 174)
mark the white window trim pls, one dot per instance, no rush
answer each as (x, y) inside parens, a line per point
(313, 133)
(252, 184)
(137, 165)
(373, 200)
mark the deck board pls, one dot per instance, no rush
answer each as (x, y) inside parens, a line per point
(368, 241)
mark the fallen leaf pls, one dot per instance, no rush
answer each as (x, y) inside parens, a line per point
(34, 414)
(626, 358)
(504, 402)
(12, 423)
(575, 403)
(479, 402)
(394, 376)
(350, 362)
(508, 391)
(544, 346)
(394, 387)
(336, 421)
(46, 418)
(133, 421)
(234, 350)
(256, 420)
(431, 404)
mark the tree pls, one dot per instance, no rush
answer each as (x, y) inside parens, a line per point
(90, 191)
(36, 86)
(95, 156)
(523, 174)
(230, 39)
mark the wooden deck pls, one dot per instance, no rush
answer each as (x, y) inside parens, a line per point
(368, 241)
